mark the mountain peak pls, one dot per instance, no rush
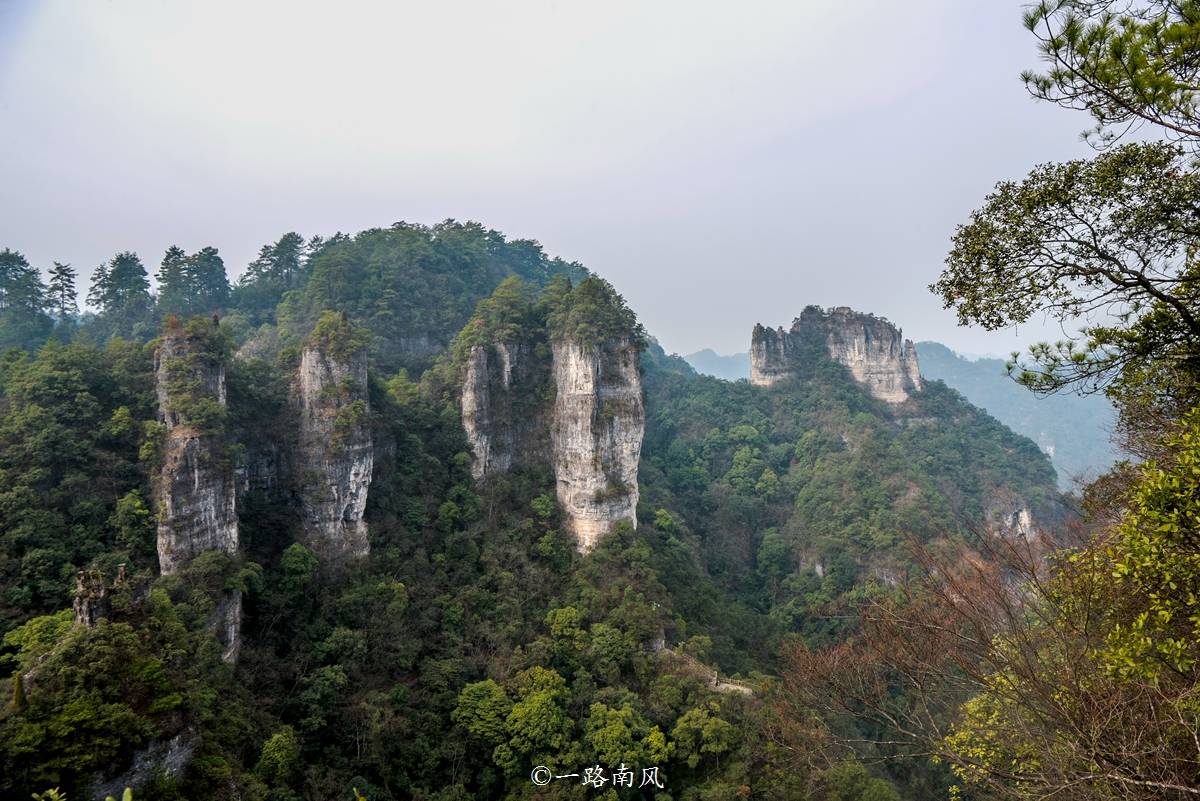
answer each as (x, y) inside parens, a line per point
(871, 347)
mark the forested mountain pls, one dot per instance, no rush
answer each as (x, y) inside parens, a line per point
(730, 368)
(424, 513)
(1074, 431)
(418, 510)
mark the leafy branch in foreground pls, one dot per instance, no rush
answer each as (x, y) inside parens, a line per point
(1126, 63)
(1033, 677)
(1111, 241)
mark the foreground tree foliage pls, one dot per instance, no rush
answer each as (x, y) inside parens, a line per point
(1031, 677)
(1124, 63)
(1067, 665)
(1111, 239)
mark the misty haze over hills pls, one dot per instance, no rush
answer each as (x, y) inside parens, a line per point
(347, 454)
(734, 367)
(681, 144)
(1074, 431)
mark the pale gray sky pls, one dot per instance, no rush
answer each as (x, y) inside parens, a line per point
(721, 163)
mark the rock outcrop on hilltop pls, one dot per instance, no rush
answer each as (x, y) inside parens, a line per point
(597, 427)
(566, 396)
(873, 349)
(770, 358)
(334, 456)
(502, 407)
(195, 493)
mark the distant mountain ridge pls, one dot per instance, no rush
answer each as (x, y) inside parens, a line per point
(1073, 431)
(730, 368)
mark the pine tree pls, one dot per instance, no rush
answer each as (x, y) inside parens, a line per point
(121, 293)
(209, 281)
(190, 285)
(288, 258)
(281, 262)
(63, 300)
(126, 284)
(174, 285)
(98, 290)
(23, 319)
(20, 286)
(280, 266)
(312, 248)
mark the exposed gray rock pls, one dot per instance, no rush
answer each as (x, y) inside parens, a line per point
(873, 349)
(502, 412)
(195, 491)
(598, 424)
(160, 758)
(1008, 516)
(770, 359)
(590, 436)
(334, 457)
(194, 494)
(91, 598)
(226, 623)
(260, 469)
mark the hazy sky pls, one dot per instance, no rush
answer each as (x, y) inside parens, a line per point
(721, 163)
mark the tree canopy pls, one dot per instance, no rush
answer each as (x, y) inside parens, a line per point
(23, 302)
(1125, 63)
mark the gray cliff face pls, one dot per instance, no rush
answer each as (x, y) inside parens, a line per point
(195, 493)
(335, 456)
(873, 349)
(168, 758)
(91, 598)
(260, 469)
(1009, 516)
(195, 490)
(591, 436)
(597, 428)
(226, 622)
(500, 394)
(769, 356)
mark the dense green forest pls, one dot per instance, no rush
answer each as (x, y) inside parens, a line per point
(476, 643)
(826, 595)
(1075, 431)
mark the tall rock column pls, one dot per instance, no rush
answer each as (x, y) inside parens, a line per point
(194, 492)
(556, 384)
(596, 431)
(770, 359)
(335, 454)
(502, 410)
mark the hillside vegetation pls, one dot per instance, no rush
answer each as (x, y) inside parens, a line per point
(475, 643)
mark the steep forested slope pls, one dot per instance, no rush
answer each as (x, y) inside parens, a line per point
(801, 492)
(1075, 431)
(475, 641)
